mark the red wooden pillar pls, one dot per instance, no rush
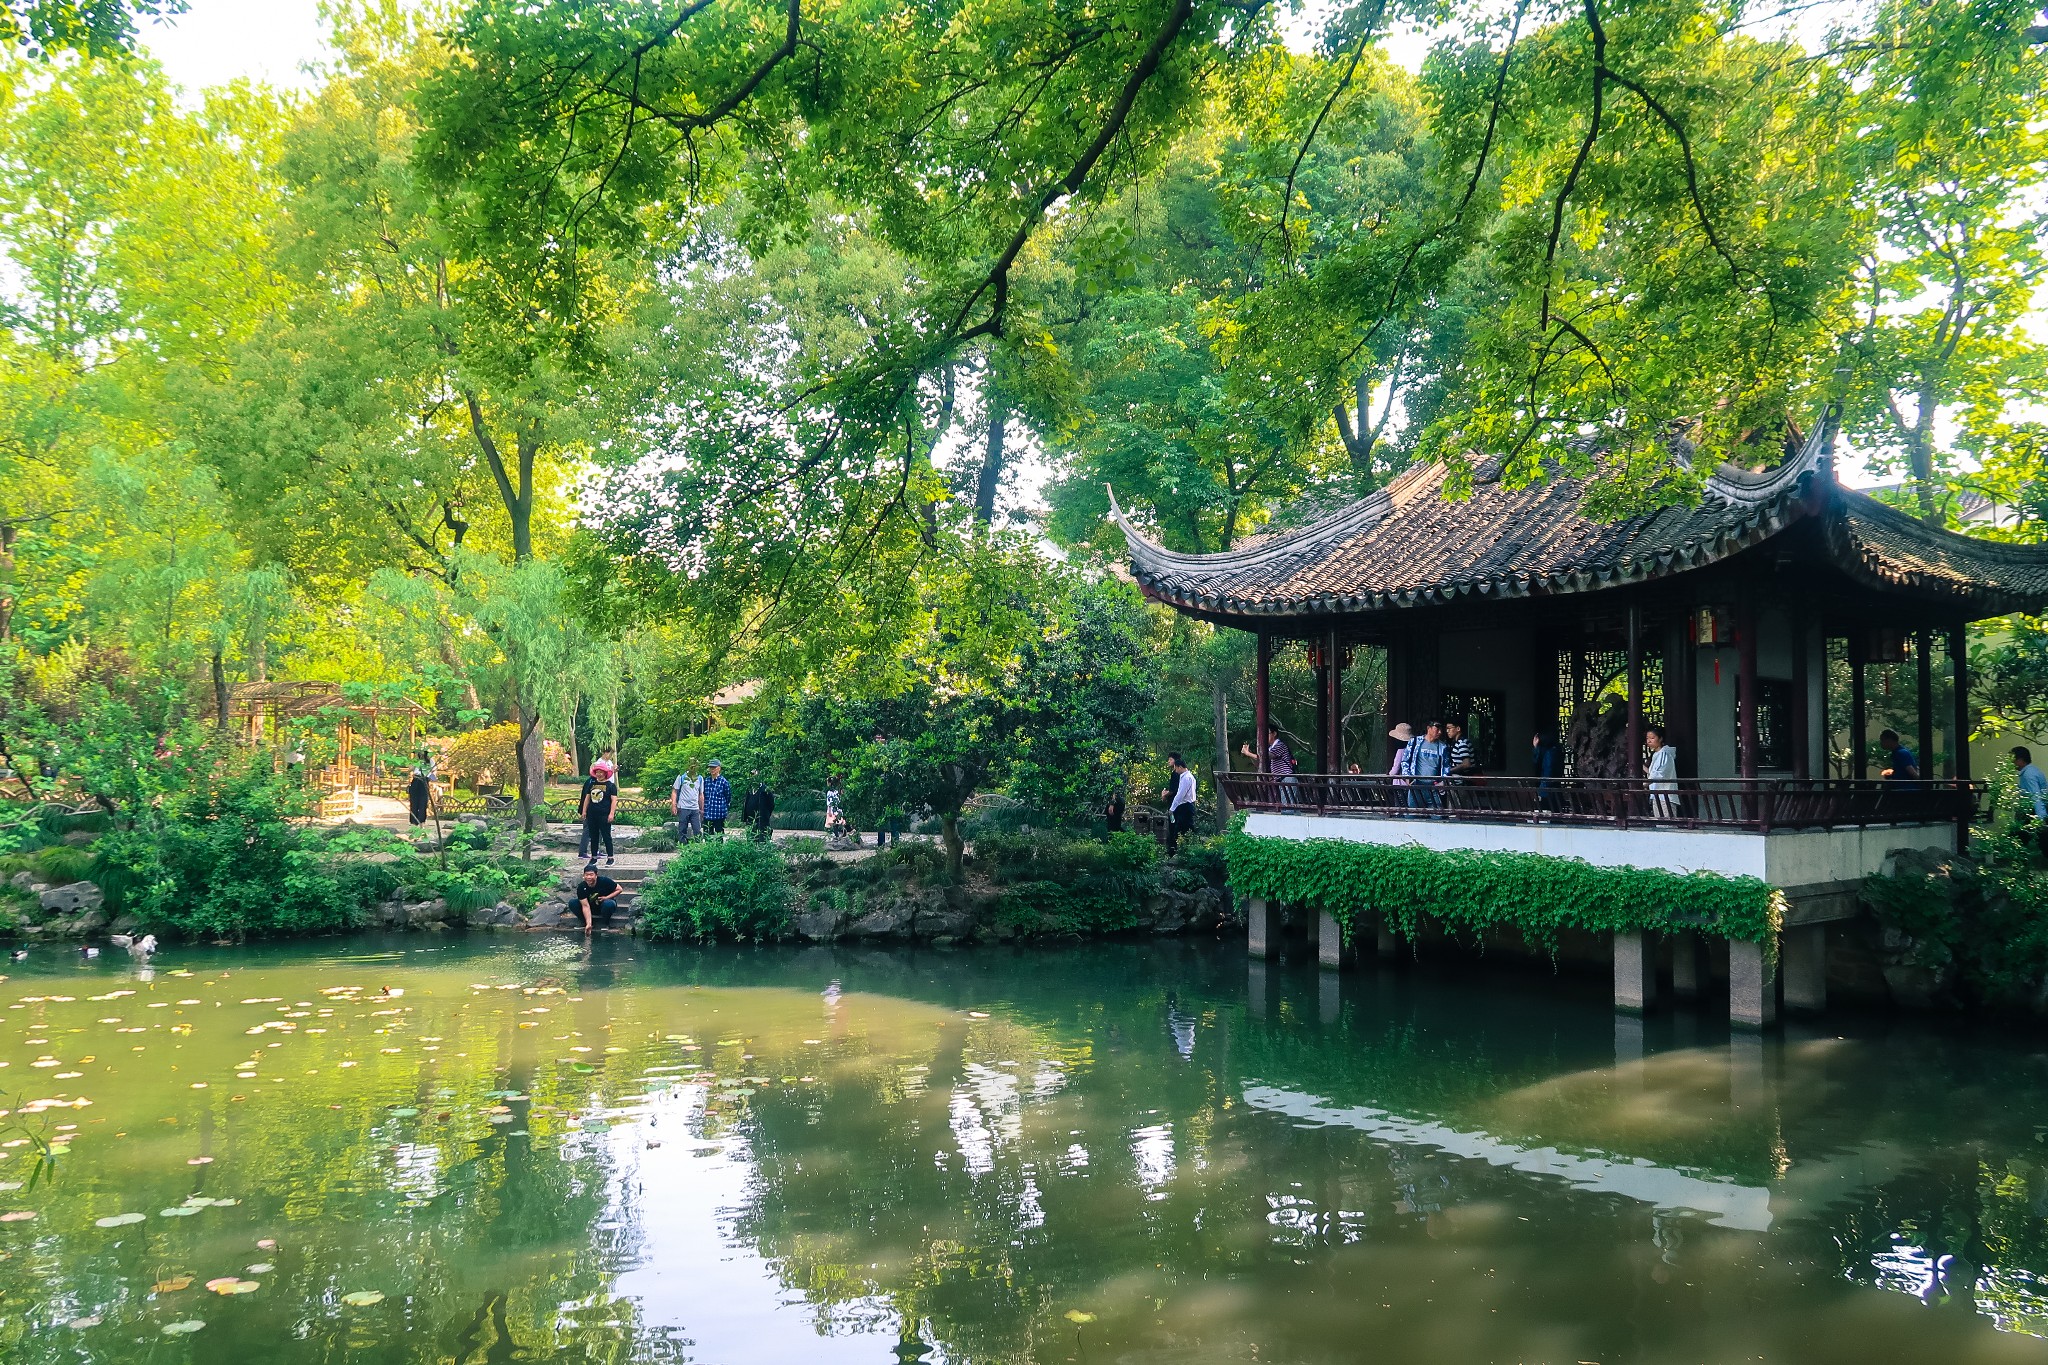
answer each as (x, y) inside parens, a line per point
(1745, 685)
(1923, 665)
(1333, 704)
(1262, 697)
(1802, 718)
(1959, 661)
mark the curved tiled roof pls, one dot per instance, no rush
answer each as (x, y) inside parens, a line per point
(1407, 545)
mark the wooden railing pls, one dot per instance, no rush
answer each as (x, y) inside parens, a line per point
(1704, 803)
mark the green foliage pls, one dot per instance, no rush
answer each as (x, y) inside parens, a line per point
(719, 888)
(742, 752)
(1475, 892)
(1062, 887)
(100, 27)
(1980, 918)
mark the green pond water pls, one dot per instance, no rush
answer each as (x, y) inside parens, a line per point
(497, 1151)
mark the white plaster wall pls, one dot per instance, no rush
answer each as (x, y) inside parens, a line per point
(1788, 858)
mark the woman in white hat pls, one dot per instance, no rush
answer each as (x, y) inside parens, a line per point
(1400, 770)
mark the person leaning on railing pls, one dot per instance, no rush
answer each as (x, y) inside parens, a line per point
(1279, 765)
(1663, 775)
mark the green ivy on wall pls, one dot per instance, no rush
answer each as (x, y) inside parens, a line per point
(1475, 891)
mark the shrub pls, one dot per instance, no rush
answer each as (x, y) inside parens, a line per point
(476, 838)
(719, 888)
(656, 839)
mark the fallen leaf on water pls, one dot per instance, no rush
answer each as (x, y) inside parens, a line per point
(17, 1216)
(181, 1329)
(266, 1243)
(363, 1298)
(82, 1323)
(185, 1212)
(260, 1268)
(198, 1161)
(119, 1220)
(173, 1284)
(220, 1286)
(1075, 1315)
(400, 1113)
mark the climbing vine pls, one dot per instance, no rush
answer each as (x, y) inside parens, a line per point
(1474, 891)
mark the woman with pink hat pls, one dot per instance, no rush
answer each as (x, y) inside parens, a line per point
(600, 796)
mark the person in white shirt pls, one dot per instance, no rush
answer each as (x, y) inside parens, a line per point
(1663, 776)
(687, 801)
(1180, 801)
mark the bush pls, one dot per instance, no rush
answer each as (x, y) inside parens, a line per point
(719, 888)
(633, 756)
(656, 839)
(57, 865)
(223, 858)
(476, 838)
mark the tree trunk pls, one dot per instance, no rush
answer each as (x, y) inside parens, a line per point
(220, 691)
(956, 848)
(991, 477)
(1219, 699)
(8, 531)
(445, 645)
(1920, 458)
(532, 765)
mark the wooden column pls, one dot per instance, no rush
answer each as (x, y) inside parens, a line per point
(1802, 721)
(1959, 661)
(1859, 711)
(1635, 690)
(1262, 698)
(1323, 718)
(1923, 664)
(1745, 689)
(1333, 703)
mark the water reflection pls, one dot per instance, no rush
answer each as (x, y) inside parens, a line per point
(1123, 1152)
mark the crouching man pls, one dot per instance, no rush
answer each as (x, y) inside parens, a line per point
(597, 894)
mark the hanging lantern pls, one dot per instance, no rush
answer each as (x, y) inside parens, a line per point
(1885, 645)
(1711, 628)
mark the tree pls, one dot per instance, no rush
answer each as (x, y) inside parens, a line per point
(1953, 133)
(96, 27)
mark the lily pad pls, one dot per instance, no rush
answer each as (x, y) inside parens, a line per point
(405, 1113)
(182, 1329)
(1074, 1315)
(260, 1268)
(182, 1211)
(119, 1220)
(173, 1284)
(80, 1324)
(363, 1298)
(17, 1216)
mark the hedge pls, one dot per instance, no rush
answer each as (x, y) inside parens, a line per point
(1474, 891)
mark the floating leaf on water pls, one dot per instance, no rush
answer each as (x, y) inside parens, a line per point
(182, 1329)
(405, 1113)
(173, 1284)
(198, 1161)
(983, 1014)
(119, 1220)
(1074, 1315)
(363, 1298)
(267, 1243)
(221, 1285)
(17, 1216)
(82, 1323)
(260, 1268)
(184, 1212)
(241, 1287)
(10, 1184)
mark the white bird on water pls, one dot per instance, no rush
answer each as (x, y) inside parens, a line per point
(143, 948)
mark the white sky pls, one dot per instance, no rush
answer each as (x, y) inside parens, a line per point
(218, 41)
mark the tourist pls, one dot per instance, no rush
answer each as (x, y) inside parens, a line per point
(1905, 765)
(1429, 763)
(1546, 761)
(1179, 795)
(835, 810)
(1113, 812)
(1663, 775)
(1403, 736)
(600, 794)
(686, 799)
(1462, 765)
(717, 798)
(418, 793)
(595, 893)
(1279, 764)
(758, 814)
(2033, 782)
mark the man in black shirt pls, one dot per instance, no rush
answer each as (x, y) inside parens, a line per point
(758, 814)
(597, 893)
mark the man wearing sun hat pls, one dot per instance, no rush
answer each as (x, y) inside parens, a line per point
(717, 798)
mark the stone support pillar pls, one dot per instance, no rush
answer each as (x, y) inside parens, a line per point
(1805, 963)
(1685, 965)
(1329, 941)
(1329, 997)
(1635, 972)
(1752, 986)
(1384, 942)
(1258, 926)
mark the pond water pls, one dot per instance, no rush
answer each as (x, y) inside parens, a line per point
(481, 1150)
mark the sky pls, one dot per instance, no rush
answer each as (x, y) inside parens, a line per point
(218, 41)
